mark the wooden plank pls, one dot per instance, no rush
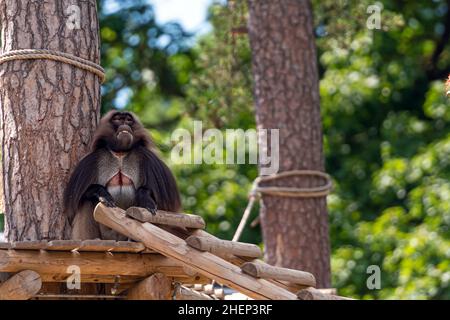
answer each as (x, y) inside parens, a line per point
(21, 286)
(266, 271)
(173, 247)
(224, 247)
(64, 245)
(155, 287)
(182, 220)
(5, 245)
(29, 245)
(92, 263)
(315, 294)
(130, 246)
(97, 245)
(183, 293)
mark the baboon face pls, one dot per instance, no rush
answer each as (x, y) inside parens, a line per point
(120, 131)
(123, 124)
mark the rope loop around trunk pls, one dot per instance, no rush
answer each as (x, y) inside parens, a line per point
(35, 54)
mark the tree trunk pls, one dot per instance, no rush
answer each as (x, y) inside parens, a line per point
(49, 111)
(295, 230)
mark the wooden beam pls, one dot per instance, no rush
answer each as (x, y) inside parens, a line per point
(236, 260)
(29, 245)
(155, 287)
(315, 294)
(266, 271)
(21, 286)
(52, 265)
(182, 220)
(77, 245)
(224, 247)
(173, 247)
(183, 293)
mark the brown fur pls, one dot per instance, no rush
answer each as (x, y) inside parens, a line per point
(139, 162)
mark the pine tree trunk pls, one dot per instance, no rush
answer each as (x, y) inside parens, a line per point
(49, 111)
(295, 230)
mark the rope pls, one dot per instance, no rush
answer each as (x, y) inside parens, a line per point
(30, 54)
(293, 192)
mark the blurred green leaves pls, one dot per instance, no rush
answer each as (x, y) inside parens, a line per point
(385, 119)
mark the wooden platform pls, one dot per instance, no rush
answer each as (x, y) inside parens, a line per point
(170, 253)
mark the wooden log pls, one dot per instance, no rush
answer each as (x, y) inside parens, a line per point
(263, 270)
(219, 293)
(218, 247)
(236, 260)
(155, 287)
(198, 287)
(173, 247)
(182, 220)
(29, 245)
(315, 294)
(208, 289)
(93, 264)
(21, 286)
(64, 245)
(129, 246)
(183, 293)
(331, 291)
(97, 245)
(5, 245)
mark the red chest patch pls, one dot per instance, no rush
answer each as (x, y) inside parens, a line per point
(120, 180)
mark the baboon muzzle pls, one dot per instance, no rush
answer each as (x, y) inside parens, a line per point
(124, 137)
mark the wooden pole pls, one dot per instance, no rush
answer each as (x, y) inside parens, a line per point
(263, 270)
(155, 287)
(238, 261)
(315, 294)
(21, 286)
(205, 263)
(182, 220)
(223, 247)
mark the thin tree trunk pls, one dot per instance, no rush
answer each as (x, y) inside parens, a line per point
(49, 111)
(295, 230)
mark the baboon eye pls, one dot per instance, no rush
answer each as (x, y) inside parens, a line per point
(129, 120)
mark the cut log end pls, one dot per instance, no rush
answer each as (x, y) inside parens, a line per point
(263, 270)
(155, 287)
(251, 269)
(21, 286)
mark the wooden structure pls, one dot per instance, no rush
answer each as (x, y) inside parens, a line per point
(171, 258)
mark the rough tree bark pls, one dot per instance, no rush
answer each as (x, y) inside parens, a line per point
(49, 111)
(295, 230)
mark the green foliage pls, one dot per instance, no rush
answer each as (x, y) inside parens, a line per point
(386, 131)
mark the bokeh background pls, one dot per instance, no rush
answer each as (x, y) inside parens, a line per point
(384, 111)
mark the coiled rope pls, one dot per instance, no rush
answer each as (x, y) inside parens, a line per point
(293, 192)
(32, 54)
